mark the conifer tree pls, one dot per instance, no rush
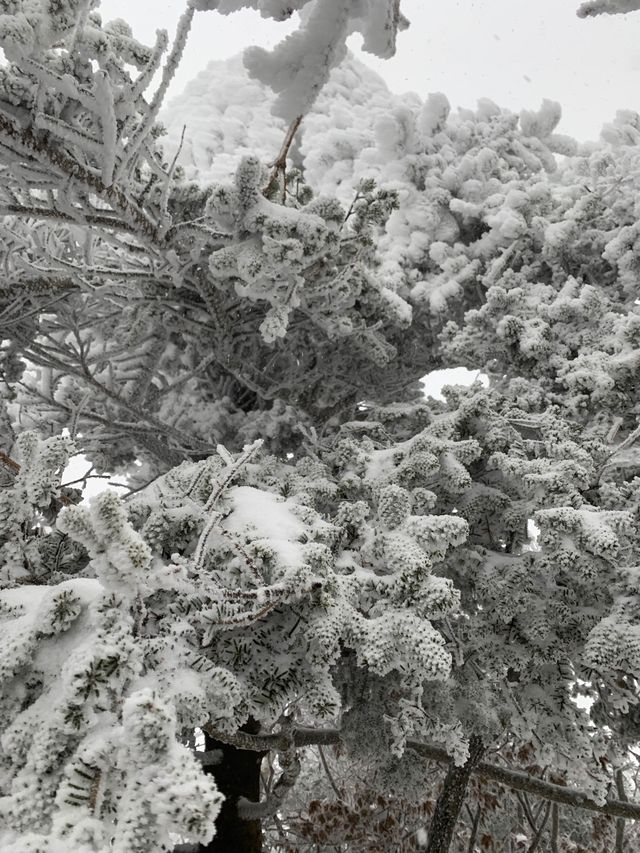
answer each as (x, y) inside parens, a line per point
(307, 552)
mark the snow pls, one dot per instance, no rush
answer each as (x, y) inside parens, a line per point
(228, 115)
(262, 515)
(435, 381)
(30, 597)
(469, 186)
(434, 113)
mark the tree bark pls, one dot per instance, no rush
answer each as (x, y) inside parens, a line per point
(237, 775)
(451, 799)
(620, 823)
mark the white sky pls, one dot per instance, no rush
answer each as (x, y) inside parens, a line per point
(515, 52)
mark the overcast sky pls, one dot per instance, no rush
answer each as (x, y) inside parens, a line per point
(515, 52)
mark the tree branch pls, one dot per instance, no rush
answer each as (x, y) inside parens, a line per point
(279, 165)
(536, 840)
(24, 142)
(514, 779)
(291, 767)
(620, 822)
(555, 828)
(103, 220)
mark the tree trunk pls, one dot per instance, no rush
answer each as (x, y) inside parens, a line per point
(237, 775)
(451, 800)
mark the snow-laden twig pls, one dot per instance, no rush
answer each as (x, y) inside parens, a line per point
(170, 67)
(108, 123)
(168, 180)
(22, 141)
(145, 77)
(279, 165)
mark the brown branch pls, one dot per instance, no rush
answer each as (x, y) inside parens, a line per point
(620, 822)
(279, 165)
(281, 160)
(325, 765)
(291, 767)
(514, 779)
(474, 830)
(536, 840)
(451, 798)
(526, 809)
(94, 791)
(39, 285)
(9, 463)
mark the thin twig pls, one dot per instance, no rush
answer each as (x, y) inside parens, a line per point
(323, 759)
(620, 822)
(536, 840)
(474, 830)
(279, 165)
(555, 828)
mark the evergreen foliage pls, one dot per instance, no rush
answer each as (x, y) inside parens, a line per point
(308, 552)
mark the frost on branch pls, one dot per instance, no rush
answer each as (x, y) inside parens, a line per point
(218, 593)
(87, 774)
(299, 66)
(90, 753)
(205, 288)
(371, 568)
(119, 556)
(526, 617)
(302, 257)
(26, 504)
(276, 580)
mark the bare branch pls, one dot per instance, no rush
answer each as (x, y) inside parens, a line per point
(279, 165)
(474, 830)
(323, 759)
(620, 822)
(536, 839)
(514, 779)
(555, 828)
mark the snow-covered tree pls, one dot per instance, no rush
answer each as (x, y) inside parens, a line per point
(307, 551)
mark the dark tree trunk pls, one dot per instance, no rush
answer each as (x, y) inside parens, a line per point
(451, 800)
(237, 775)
